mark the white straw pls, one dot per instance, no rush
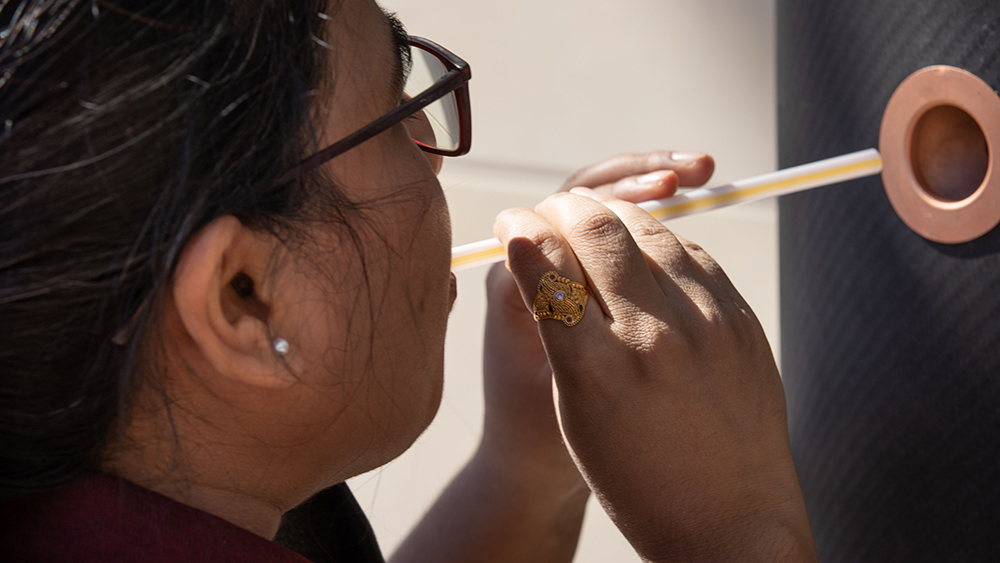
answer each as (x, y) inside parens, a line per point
(823, 173)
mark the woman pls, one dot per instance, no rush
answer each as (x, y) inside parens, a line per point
(209, 319)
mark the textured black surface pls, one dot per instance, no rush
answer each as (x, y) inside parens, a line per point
(891, 344)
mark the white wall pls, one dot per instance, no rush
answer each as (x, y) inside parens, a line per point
(558, 84)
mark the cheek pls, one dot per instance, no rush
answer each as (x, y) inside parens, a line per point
(421, 282)
(410, 335)
(374, 338)
(440, 289)
(375, 302)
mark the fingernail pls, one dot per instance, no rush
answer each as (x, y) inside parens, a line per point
(653, 177)
(585, 192)
(685, 157)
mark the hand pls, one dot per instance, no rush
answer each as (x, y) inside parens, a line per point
(521, 430)
(668, 394)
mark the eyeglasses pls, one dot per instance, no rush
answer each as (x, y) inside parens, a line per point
(438, 101)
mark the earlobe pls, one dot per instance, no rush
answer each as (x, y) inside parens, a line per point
(223, 315)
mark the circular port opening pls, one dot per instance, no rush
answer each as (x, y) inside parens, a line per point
(950, 155)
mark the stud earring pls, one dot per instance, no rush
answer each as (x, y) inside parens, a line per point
(280, 346)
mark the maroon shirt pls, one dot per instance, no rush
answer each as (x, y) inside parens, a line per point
(103, 518)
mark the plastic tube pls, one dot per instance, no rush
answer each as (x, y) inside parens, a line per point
(823, 173)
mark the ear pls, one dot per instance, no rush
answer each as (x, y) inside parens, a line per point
(218, 295)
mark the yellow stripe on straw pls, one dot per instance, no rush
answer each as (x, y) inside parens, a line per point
(732, 197)
(814, 175)
(484, 256)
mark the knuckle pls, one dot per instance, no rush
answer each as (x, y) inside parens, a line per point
(507, 214)
(633, 163)
(715, 272)
(693, 248)
(670, 256)
(652, 232)
(598, 225)
(656, 159)
(533, 249)
(623, 159)
(631, 159)
(709, 267)
(508, 218)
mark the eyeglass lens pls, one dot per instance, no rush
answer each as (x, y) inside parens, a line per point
(437, 126)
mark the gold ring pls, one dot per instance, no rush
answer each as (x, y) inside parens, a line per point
(561, 299)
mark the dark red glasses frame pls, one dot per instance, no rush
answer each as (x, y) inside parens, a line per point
(455, 80)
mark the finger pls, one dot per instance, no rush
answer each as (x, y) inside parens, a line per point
(711, 270)
(637, 189)
(677, 263)
(615, 267)
(651, 236)
(692, 168)
(671, 264)
(694, 283)
(700, 257)
(535, 248)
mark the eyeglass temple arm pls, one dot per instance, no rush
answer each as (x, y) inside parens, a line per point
(448, 83)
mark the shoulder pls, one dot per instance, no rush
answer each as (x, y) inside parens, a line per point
(105, 518)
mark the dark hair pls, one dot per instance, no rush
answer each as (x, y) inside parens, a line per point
(125, 126)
